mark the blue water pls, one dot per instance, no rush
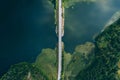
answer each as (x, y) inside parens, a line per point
(85, 20)
(26, 27)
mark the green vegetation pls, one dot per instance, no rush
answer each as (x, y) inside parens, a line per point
(107, 55)
(47, 62)
(81, 58)
(20, 72)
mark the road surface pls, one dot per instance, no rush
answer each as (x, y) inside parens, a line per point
(60, 31)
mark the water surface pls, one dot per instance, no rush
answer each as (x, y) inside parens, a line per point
(85, 20)
(26, 27)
